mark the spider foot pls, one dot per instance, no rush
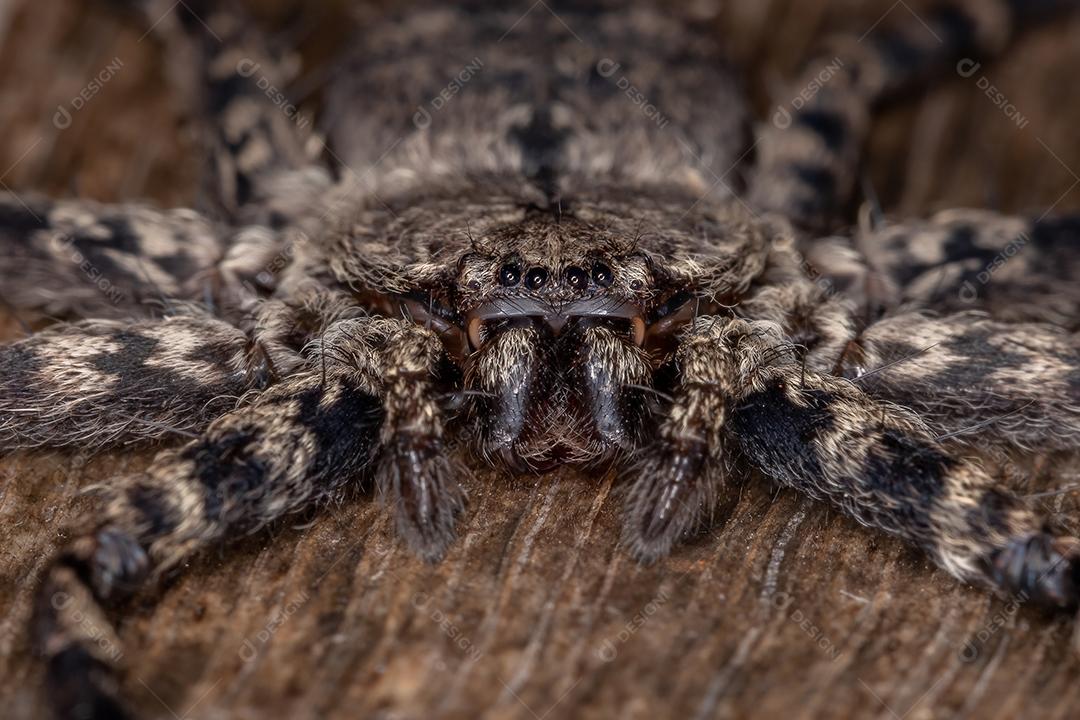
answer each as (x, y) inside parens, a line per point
(1042, 568)
(81, 647)
(117, 565)
(417, 479)
(667, 498)
(82, 686)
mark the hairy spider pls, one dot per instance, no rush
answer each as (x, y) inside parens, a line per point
(572, 257)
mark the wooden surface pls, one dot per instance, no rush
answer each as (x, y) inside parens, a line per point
(782, 609)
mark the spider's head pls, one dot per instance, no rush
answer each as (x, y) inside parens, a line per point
(554, 275)
(559, 317)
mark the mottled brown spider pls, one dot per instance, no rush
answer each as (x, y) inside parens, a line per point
(536, 265)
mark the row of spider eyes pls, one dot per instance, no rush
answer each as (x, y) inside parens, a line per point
(535, 278)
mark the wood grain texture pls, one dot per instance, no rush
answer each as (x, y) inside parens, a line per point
(782, 609)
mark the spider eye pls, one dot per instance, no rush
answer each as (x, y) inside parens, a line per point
(576, 278)
(510, 275)
(601, 273)
(535, 278)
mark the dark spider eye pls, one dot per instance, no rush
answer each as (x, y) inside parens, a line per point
(576, 278)
(510, 275)
(535, 278)
(601, 273)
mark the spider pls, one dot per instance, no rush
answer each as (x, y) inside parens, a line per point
(551, 236)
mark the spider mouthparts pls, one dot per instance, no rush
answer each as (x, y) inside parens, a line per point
(555, 318)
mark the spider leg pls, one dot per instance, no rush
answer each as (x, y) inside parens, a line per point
(883, 466)
(364, 400)
(82, 259)
(808, 156)
(817, 320)
(294, 445)
(235, 77)
(878, 462)
(73, 258)
(957, 371)
(98, 383)
(415, 476)
(1016, 384)
(679, 474)
(1015, 268)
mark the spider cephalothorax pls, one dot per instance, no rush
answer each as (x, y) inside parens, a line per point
(529, 255)
(558, 314)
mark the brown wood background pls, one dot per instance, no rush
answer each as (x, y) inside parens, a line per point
(783, 609)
